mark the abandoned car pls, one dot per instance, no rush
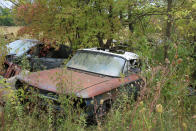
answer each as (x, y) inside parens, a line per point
(94, 75)
(38, 55)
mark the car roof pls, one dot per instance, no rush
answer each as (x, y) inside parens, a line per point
(21, 46)
(125, 55)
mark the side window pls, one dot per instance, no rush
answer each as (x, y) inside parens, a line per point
(134, 66)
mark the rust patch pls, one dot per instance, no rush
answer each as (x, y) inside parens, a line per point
(85, 85)
(56, 80)
(11, 70)
(107, 86)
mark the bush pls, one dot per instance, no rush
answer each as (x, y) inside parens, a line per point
(6, 18)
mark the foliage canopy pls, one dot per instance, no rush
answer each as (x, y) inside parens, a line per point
(6, 17)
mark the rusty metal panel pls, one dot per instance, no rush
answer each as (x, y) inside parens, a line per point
(12, 70)
(56, 80)
(85, 85)
(107, 86)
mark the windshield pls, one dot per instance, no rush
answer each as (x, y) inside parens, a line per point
(98, 63)
(20, 47)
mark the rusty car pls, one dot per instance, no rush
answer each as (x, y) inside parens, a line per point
(39, 56)
(94, 75)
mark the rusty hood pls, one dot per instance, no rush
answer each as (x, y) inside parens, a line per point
(58, 80)
(68, 81)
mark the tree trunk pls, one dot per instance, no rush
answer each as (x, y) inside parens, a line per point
(131, 28)
(168, 28)
(108, 43)
(100, 40)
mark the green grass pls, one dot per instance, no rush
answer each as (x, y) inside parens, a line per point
(159, 107)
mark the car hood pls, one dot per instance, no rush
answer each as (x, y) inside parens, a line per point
(61, 80)
(82, 84)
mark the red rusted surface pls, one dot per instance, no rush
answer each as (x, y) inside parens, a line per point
(11, 71)
(107, 86)
(85, 85)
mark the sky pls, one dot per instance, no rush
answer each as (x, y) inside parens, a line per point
(5, 4)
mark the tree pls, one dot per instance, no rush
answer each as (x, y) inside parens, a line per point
(79, 23)
(6, 18)
(97, 23)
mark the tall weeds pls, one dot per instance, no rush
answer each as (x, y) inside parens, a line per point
(163, 103)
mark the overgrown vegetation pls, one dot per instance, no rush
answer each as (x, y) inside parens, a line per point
(161, 32)
(6, 17)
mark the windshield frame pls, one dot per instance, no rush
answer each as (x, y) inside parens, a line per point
(88, 51)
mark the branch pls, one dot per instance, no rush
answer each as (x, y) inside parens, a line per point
(14, 3)
(143, 15)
